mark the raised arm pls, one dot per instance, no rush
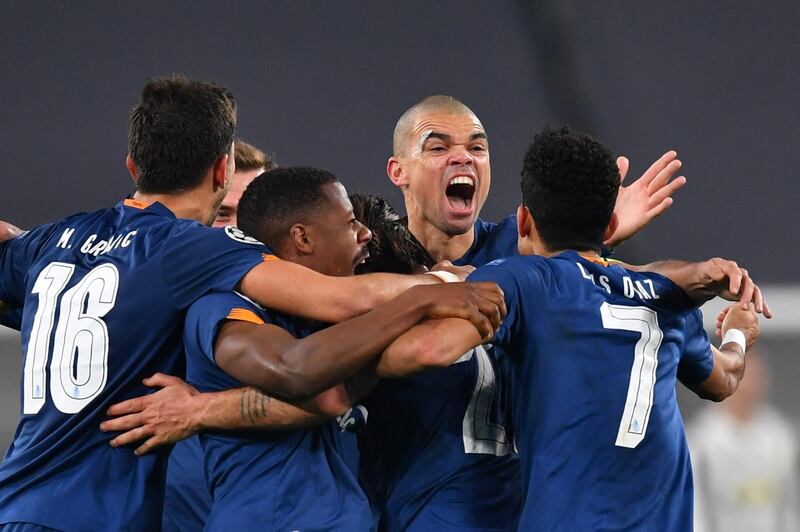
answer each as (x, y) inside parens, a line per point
(647, 198)
(729, 361)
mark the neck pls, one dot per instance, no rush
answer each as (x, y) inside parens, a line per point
(441, 246)
(192, 205)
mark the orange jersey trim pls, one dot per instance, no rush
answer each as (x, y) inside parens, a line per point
(243, 314)
(598, 260)
(268, 257)
(136, 204)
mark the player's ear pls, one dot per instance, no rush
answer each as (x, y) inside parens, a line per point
(524, 221)
(131, 166)
(613, 223)
(394, 169)
(300, 239)
(219, 171)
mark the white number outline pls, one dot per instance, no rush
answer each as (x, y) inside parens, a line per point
(639, 399)
(81, 337)
(480, 435)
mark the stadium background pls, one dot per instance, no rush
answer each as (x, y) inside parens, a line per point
(322, 83)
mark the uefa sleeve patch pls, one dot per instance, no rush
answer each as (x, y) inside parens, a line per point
(234, 233)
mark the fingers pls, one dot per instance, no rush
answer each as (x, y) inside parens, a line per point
(659, 209)
(658, 195)
(663, 176)
(767, 310)
(622, 164)
(747, 290)
(657, 166)
(122, 423)
(481, 322)
(130, 406)
(150, 445)
(132, 436)
(162, 380)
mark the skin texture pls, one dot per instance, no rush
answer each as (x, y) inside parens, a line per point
(228, 209)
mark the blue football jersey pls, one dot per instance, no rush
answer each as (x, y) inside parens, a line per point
(287, 480)
(187, 499)
(436, 453)
(104, 295)
(595, 351)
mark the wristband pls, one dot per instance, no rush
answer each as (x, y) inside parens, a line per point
(735, 336)
(446, 277)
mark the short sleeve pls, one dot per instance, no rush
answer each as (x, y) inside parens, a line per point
(697, 360)
(205, 316)
(16, 257)
(201, 260)
(511, 279)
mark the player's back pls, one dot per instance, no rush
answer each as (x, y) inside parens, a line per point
(103, 296)
(435, 450)
(595, 351)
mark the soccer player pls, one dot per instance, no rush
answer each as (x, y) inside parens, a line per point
(595, 350)
(250, 162)
(296, 479)
(104, 294)
(442, 456)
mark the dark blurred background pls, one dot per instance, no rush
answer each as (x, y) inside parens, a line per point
(322, 83)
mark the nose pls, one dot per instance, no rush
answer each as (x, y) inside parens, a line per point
(364, 235)
(460, 155)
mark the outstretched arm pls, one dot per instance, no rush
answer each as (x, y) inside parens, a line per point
(647, 198)
(177, 411)
(293, 289)
(431, 344)
(703, 281)
(269, 358)
(729, 361)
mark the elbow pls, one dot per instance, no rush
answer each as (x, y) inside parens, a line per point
(333, 402)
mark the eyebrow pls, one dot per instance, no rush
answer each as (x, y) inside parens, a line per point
(447, 138)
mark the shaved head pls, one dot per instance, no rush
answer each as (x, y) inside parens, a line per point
(430, 104)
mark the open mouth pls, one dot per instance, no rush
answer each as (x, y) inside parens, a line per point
(362, 257)
(460, 192)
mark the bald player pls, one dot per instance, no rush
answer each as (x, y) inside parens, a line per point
(440, 449)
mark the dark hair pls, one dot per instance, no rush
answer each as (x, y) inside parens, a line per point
(280, 198)
(393, 248)
(177, 131)
(570, 183)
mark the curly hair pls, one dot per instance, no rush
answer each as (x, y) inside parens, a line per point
(393, 248)
(570, 183)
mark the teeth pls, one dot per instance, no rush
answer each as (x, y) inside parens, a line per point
(462, 180)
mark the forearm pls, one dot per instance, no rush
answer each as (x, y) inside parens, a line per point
(726, 373)
(433, 343)
(687, 275)
(291, 288)
(249, 408)
(335, 354)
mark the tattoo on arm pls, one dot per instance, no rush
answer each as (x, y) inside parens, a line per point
(253, 405)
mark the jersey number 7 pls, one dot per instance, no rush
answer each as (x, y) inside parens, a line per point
(639, 401)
